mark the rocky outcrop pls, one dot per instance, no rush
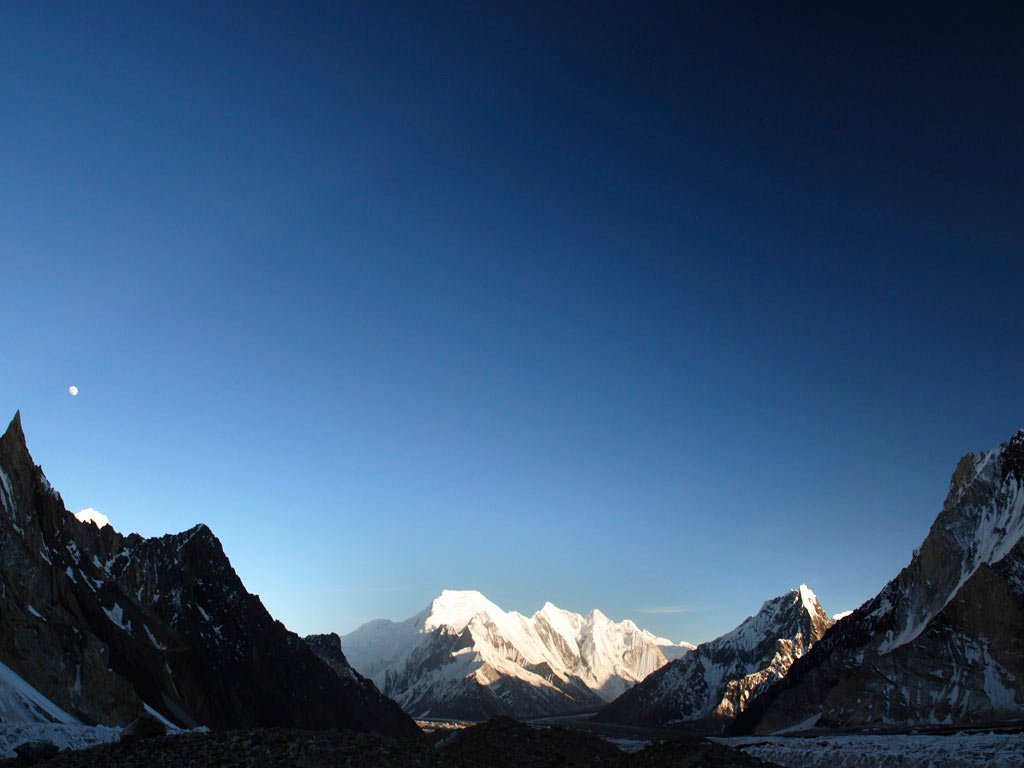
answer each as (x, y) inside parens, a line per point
(328, 648)
(708, 687)
(943, 642)
(106, 625)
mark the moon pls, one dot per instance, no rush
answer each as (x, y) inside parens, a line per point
(73, 390)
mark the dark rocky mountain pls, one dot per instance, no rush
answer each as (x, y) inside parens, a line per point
(709, 686)
(107, 625)
(943, 642)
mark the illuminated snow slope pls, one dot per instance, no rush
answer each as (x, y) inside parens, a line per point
(463, 656)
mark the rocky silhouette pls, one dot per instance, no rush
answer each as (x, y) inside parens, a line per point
(108, 626)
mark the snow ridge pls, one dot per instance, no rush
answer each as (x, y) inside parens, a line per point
(551, 662)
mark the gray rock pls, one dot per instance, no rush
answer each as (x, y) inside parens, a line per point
(31, 752)
(145, 726)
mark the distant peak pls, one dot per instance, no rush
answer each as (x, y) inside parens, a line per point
(551, 611)
(455, 608)
(90, 515)
(459, 594)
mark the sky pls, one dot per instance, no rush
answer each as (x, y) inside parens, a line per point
(661, 310)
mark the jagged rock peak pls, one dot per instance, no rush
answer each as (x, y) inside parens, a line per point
(200, 532)
(708, 687)
(940, 642)
(1013, 456)
(328, 648)
(820, 620)
(13, 441)
(104, 625)
(14, 429)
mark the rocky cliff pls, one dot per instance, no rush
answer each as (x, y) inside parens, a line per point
(943, 642)
(106, 625)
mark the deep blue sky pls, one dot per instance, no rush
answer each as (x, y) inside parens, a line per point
(659, 310)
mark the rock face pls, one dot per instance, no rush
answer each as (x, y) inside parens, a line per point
(464, 657)
(328, 648)
(106, 625)
(943, 642)
(710, 686)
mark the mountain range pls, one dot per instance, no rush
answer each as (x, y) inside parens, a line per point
(464, 657)
(100, 627)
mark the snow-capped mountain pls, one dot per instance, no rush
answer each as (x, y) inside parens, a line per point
(713, 683)
(103, 626)
(942, 642)
(465, 657)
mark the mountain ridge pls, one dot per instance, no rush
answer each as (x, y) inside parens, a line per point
(104, 625)
(708, 687)
(941, 643)
(464, 656)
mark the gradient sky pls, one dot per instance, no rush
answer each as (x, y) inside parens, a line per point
(661, 311)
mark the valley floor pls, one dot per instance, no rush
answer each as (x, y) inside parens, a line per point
(504, 743)
(499, 743)
(957, 750)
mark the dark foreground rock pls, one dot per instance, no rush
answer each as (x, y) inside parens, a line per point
(31, 752)
(499, 743)
(693, 753)
(505, 743)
